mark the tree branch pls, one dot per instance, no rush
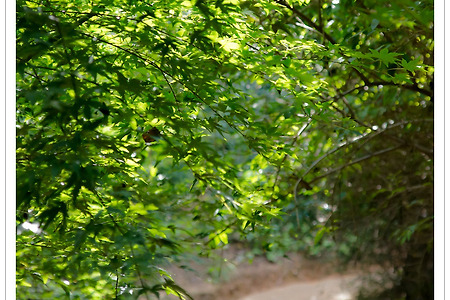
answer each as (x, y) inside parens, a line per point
(321, 30)
(285, 156)
(307, 20)
(364, 137)
(408, 87)
(356, 161)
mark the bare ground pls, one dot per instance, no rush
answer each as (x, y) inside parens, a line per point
(292, 278)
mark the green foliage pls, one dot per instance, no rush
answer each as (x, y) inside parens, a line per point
(147, 130)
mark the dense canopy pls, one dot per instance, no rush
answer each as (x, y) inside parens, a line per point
(151, 130)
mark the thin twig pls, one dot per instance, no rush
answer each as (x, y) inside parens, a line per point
(368, 136)
(320, 30)
(123, 233)
(222, 231)
(356, 161)
(117, 284)
(173, 77)
(306, 20)
(294, 140)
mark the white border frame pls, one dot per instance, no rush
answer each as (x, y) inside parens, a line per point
(8, 285)
(441, 130)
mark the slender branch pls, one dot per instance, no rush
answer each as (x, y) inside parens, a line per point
(222, 231)
(153, 64)
(164, 73)
(350, 109)
(414, 145)
(320, 18)
(117, 284)
(285, 156)
(321, 30)
(351, 116)
(116, 225)
(317, 27)
(356, 161)
(138, 271)
(171, 89)
(306, 20)
(37, 77)
(366, 137)
(411, 87)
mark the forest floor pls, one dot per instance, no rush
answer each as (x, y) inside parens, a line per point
(290, 278)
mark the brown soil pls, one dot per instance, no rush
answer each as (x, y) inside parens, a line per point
(292, 278)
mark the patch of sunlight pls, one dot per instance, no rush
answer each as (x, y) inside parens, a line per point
(343, 296)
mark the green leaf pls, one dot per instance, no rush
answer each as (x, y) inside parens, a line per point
(374, 24)
(410, 66)
(319, 235)
(385, 56)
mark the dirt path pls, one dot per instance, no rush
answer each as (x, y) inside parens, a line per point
(293, 278)
(342, 287)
